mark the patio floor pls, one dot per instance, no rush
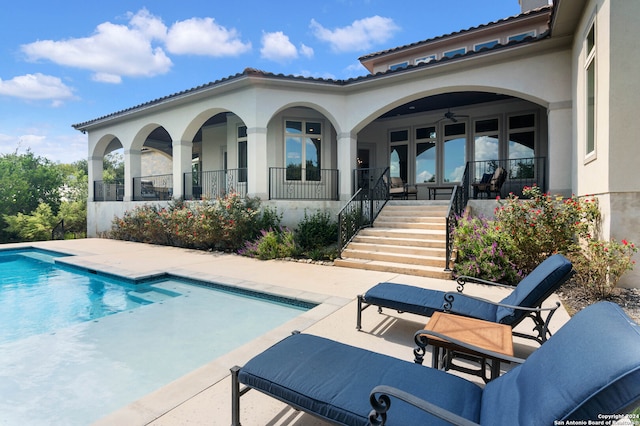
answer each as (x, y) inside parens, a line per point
(203, 397)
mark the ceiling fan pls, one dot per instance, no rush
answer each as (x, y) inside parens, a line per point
(451, 116)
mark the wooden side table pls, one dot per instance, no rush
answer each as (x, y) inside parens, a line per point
(489, 336)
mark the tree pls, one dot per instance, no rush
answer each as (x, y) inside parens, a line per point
(26, 181)
(113, 171)
(74, 193)
(36, 226)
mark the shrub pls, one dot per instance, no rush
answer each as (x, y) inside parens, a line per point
(600, 264)
(525, 232)
(481, 251)
(316, 231)
(272, 244)
(225, 223)
(543, 225)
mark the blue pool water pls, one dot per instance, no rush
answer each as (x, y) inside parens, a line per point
(76, 346)
(37, 296)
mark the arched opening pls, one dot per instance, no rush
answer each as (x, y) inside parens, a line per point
(219, 158)
(436, 142)
(108, 170)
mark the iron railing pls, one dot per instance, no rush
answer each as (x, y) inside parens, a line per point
(57, 233)
(457, 204)
(521, 172)
(294, 184)
(108, 191)
(365, 205)
(153, 188)
(210, 185)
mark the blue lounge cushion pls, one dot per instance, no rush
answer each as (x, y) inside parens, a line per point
(535, 287)
(590, 366)
(421, 301)
(333, 381)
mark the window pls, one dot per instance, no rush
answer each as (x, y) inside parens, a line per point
(485, 145)
(398, 154)
(522, 137)
(591, 91)
(303, 150)
(398, 66)
(485, 45)
(242, 153)
(454, 52)
(455, 142)
(520, 37)
(425, 59)
(426, 154)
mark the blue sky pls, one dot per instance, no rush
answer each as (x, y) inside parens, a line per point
(68, 62)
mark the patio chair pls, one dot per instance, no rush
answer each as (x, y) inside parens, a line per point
(399, 189)
(490, 183)
(524, 301)
(589, 368)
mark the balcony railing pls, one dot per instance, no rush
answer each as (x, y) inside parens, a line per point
(108, 191)
(215, 184)
(292, 184)
(153, 188)
(520, 172)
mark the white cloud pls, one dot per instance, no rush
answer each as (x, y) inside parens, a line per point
(361, 34)
(306, 51)
(66, 148)
(356, 70)
(277, 47)
(36, 87)
(112, 52)
(202, 36)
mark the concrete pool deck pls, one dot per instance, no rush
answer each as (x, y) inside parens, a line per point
(203, 397)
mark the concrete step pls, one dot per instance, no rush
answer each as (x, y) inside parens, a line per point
(406, 238)
(407, 225)
(412, 242)
(411, 218)
(374, 265)
(409, 250)
(399, 258)
(419, 234)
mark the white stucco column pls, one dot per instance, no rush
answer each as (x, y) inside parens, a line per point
(561, 160)
(347, 157)
(257, 165)
(132, 169)
(94, 172)
(182, 156)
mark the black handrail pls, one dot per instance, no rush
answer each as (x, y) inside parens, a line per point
(57, 233)
(457, 203)
(363, 208)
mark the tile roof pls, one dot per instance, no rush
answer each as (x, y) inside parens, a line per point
(533, 12)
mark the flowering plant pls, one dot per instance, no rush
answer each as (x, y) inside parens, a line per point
(600, 264)
(483, 251)
(542, 225)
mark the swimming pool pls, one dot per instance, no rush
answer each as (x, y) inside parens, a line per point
(130, 343)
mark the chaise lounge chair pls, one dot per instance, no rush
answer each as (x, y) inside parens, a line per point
(525, 300)
(590, 368)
